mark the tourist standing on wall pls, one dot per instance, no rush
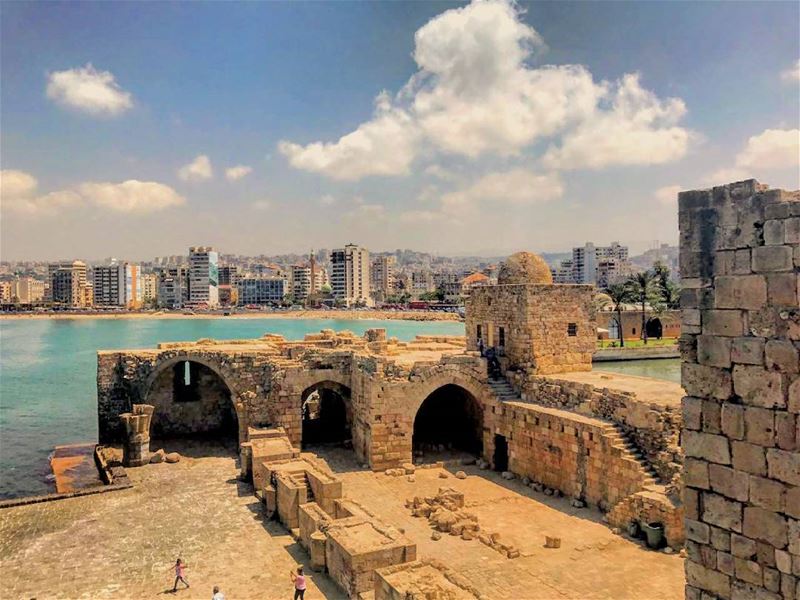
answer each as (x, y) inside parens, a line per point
(299, 581)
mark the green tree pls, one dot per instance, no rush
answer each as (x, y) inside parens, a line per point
(619, 294)
(668, 290)
(643, 288)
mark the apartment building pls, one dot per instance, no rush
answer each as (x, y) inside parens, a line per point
(381, 273)
(350, 276)
(150, 289)
(203, 276)
(68, 283)
(118, 285)
(27, 290)
(261, 290)
(173, 287)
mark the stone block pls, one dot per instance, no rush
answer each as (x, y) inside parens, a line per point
(782, 289)
(697, 531)
(748, 570)
(730, 323)
(768, 259)
(742, 546)
(758, 387)
(714, 351)
(792, 230)
(760, 426)
(765, 525)
(784, 465)
(724, 513)
(696, 473)
(711, 416)
(794, 396)
(773, 232)
(749, 457)
(767, 493)
(708, 579)
(781, 355)
(732, 416)
(748, 350)
(708, 446)
(720, 539)
(730, 483)
(787, 431)
(705, 381)
(793, 501)
(746, 292)
(725, 563)
(692, 411)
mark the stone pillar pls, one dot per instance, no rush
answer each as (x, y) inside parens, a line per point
(740, 259)
(136, 445)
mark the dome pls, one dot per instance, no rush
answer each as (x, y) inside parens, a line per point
(524, 267)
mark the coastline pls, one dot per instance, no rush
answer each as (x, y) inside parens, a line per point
(409, 315)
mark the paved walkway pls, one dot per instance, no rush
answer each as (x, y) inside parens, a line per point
(123, 544)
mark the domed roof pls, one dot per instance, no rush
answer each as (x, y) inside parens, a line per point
(524, 267)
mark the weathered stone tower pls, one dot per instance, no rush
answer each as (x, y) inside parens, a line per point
(740, 257)
(535, 325)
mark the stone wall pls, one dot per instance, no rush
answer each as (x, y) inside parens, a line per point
(654, 428)
(546, 328)
(740, 257)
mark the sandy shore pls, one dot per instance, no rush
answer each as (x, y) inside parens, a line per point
(411, 315)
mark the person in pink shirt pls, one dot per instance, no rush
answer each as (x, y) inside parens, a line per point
(299, 581)
(179, 569)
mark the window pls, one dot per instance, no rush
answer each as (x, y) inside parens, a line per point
(501, 337)
(572, 329)
(478, 332)
(184, 382)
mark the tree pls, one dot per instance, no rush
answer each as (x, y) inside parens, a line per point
(619, 294)
(644, 290)
(668, 290)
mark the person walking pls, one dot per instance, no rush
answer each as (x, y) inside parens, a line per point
(179, 575)
(217, 594)
(299, 582)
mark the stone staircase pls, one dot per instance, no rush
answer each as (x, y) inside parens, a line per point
(620, 440)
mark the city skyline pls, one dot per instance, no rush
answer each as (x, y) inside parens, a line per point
(473, 129)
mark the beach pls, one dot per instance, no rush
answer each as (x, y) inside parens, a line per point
(394, 315)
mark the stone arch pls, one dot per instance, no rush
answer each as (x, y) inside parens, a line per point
(654, 328)
(326, 410)
(475, 386)
(209, 369)
(452, 417)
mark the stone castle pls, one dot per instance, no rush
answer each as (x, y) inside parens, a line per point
(614, 442)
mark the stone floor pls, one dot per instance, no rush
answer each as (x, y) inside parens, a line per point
(123, 544)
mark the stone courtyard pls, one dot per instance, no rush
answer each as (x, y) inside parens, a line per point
(123, 544)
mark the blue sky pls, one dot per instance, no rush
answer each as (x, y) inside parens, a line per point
(477, 146)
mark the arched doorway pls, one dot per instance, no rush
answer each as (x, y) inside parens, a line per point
(191, 400)
(654, 328)
(450, 417)
(326, 413)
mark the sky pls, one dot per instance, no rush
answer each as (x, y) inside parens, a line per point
(137, 130)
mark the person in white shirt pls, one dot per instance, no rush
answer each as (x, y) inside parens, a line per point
(217, 594)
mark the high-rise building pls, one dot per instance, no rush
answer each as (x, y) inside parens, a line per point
(350, 275)
(68, 283)
(150, 289)
(261, 290)
(203, 276)
(229, 275)
(118, 285)
(6, 292)
(173, 287)
(300, 279)
(382, 276)
(421, 282)
(27, 290)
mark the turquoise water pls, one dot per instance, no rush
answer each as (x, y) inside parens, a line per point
(48, 372)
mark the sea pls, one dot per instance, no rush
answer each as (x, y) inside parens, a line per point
(48, 371)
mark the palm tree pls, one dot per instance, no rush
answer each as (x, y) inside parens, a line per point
(643, 288)
(669, 291)
(619, 294)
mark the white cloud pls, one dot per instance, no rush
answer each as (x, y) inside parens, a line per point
(261, 205)
(726, 175)
(197, 170)
(668, 195)
(385, 145)
(475, 94)
(440, 172)
(636, 129)
(19, 194)
(327, 200)
(132, 196)
(88, 90)
(771, 149)
(367, 211)
(792, 73)
(421, 216)
(515, 187)
(237, 172)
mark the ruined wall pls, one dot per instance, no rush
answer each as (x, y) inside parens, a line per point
(654, 428)
(740, 255)
(547, 328)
